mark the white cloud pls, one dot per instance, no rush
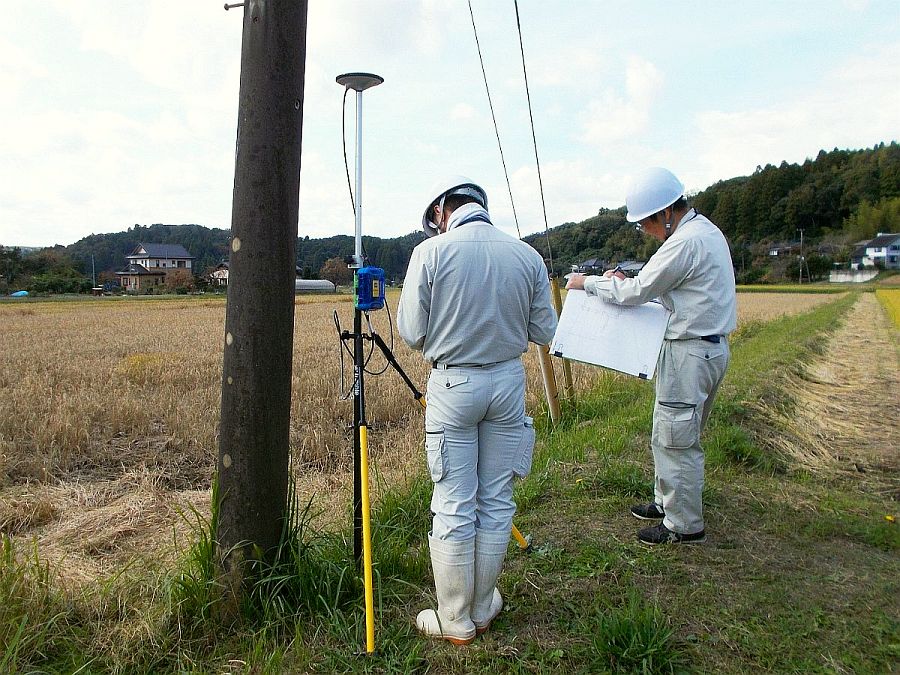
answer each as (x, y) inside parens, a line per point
(462, 111)
(614, 117)
(854, 105)
(566, 65)
(18, 69)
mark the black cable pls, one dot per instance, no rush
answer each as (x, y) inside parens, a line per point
(533, 137)
(346, 163)
(387, 364)
(344, 144)
(494, 117)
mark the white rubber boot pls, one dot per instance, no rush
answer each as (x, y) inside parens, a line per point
(490, 551)
(453, 563)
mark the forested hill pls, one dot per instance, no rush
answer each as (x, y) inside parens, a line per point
(838, 198)
(210, 247)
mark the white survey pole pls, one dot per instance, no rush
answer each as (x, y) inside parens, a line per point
(359, 82)
(357, 251)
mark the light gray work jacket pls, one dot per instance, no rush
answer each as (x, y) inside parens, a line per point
(475, 295)
(691, 274)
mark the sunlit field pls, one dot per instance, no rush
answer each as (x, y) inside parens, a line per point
(890, 298)
(110, 410)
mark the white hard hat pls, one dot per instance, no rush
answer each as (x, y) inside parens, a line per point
(451, 185)
(650, 192)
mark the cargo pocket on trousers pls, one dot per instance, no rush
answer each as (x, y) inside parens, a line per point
(678, 425)
(522, 466)
(434, 453)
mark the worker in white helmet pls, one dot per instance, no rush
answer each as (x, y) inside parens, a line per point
(692, 275)
(472, 300)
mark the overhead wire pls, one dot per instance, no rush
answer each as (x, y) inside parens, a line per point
(531, 121)
(494, 118)
(537, 160)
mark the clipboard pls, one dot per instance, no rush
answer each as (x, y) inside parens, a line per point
(624, 338)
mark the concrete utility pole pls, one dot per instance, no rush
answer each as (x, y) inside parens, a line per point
(259, 321)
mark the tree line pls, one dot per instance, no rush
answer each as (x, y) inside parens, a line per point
(836, 199)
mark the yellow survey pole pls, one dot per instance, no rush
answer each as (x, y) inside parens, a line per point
(367, 540)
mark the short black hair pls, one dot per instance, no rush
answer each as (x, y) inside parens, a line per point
(677, 205)
(453, 202)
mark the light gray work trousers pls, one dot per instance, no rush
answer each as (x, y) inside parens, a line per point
(477, 440)
(689, 373)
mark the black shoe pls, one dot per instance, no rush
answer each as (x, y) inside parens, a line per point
(650, 511)
(660, 534)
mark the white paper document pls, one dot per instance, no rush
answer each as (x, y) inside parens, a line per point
(627, 339)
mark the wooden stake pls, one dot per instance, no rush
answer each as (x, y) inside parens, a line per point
(569, 387)
(549, 378)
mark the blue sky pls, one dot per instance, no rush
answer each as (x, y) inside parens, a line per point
(122, 113)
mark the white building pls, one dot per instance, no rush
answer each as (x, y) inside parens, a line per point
(161, 256)
(883, 251)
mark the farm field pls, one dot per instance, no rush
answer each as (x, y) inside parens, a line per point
(111, 413)
(108, 444)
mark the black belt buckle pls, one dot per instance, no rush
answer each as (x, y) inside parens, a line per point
(715, 339)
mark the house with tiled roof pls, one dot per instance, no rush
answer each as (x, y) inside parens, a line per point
(592, 266)
(149, 264)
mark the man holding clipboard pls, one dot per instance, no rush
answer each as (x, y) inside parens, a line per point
(692, 276)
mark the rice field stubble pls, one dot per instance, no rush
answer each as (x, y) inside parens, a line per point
(110, 413)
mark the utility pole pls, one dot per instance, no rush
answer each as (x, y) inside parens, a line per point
(801, 258)
(259, 320)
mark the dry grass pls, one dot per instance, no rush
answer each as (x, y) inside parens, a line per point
(768, 306)
(110, 414)
(838, 396)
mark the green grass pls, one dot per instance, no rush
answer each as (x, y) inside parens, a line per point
(800, 573)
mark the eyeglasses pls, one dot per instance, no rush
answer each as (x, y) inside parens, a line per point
(639, 225)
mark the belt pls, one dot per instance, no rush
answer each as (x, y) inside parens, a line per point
(444, 366)
(439, 365)
(715, 339)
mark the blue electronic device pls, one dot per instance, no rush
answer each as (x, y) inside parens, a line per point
(368, 288)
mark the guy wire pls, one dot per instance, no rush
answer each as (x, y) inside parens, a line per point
(494, 118)
(533, 136)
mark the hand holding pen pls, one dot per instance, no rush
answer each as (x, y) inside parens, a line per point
(576, 281)
(615, 272)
